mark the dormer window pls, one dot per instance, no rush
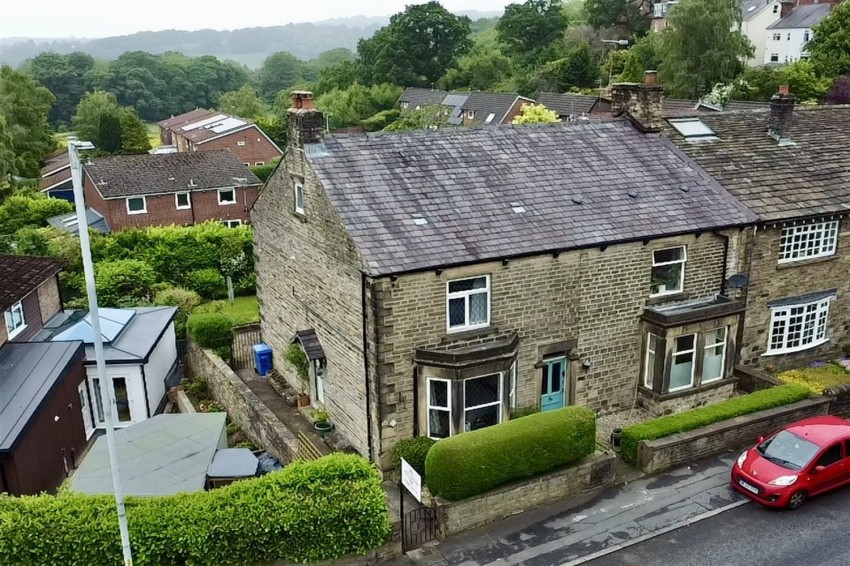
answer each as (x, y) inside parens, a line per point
(470, 114)
(15, 322)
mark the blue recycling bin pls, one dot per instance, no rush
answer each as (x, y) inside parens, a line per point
(262, 359)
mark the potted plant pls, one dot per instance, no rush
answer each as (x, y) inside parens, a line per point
(296, 357)
(322, 422)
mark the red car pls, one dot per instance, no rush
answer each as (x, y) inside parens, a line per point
(803, 459)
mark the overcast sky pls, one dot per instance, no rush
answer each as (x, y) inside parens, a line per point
(103, 18)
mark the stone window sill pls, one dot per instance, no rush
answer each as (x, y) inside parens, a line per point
(469, 334)
(770, 353)
(686, 392)
(661, 299)
(807, 262)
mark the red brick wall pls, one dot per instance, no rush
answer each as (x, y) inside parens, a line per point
(256, 148)
(515, 110)
(162, 209)
(36, 464)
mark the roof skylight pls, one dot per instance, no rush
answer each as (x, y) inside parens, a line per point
(693, 129)
(517, 207)
(419, 220)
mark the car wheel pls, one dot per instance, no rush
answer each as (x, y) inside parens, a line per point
(797, 500)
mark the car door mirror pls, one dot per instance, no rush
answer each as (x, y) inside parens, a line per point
(818, 469)
(761, 439)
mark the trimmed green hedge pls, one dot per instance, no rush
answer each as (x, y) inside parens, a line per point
(702, 416)
(210, 330)
(309, 511)
(477, 461)
(414, 450)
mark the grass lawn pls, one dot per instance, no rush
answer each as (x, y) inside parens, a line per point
(153, 134)
(244, 310)
(817, 378)
(62, 138)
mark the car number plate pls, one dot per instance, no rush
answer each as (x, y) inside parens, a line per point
(748, 487)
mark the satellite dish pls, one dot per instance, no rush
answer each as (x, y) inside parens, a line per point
(738, 281)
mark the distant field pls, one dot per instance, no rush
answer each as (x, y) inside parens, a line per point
(153, 136)
(62, 138)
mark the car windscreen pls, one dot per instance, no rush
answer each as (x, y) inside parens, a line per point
(788, 450)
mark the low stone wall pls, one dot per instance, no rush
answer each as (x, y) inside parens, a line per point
(678, 449)
(593, 472)
(244, 407)
(751, 379)
(840, 405)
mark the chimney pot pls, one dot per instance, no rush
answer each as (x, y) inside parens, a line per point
(305, 122)
(650, 78)
(302, 99)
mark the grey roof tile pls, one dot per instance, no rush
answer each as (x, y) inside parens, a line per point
(803, 17)
(485, 103)
(419, 96)
(463, 181)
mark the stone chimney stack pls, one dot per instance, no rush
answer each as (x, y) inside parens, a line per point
(781, 114)
(305, 124)
(641, 103)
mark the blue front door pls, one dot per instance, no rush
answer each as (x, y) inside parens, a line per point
(553, 381)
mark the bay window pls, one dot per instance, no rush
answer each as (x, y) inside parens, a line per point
(682, 368)
(439, 408)
(714, 354)
(798, 327)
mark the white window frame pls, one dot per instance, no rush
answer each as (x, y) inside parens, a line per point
(404, 105)
(683, 261)
(722, 347)
(693, 352)
(814, 318)
(824, 240)
(227, 202)
(188, 200)
(298, 193)
(649, 371)
(247, 163)
(258, 163)
(777, 36)
(235, 223)
(497, 403)
(465, 296)
(240, 143)
(446, 409)
(144, 205)
(9, 315)
(512, 394)
(470, 114)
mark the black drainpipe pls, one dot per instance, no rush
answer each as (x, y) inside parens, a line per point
(725, 260)
(364, 307)
(145, 386)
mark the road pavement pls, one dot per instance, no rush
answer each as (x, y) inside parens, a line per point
(814, 535)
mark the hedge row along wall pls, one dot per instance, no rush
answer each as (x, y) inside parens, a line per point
(703, 416)
(308, 511)
(477, 461)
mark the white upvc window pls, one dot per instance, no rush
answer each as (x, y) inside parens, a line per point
(714, 354)
(299, 198)
(240, 143)
(513, 393)
(798, 327)
(668, 271)
(470, 114)
(232, 223)
(482, 401)
(182, 200)
(652, 342)
(468, 303)
(682, 369)
(226, 196)
(439, 408)
(808, 241)
(258, 163)
(15, 321)
(137, 205)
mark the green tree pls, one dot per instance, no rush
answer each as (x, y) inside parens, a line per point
(536, 114)
(642, 57)
(332, 57)
(280, 71)
(483, 68)
(839, 92)
(830, 46)
(90, 111)
(30, 210)
(274, 127)
(429, 116)
(344, 108)
(25, 107)
(134, 135)
(243, 103)
(629, 17)
(8, 163)
(124, 282)
(577, 68)
(417, 47)
(702, 46)
(527, 30)
(108, 137)
(65, 77)
(339, 76)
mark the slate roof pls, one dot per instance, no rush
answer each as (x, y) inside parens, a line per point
(310, 342)
(673, 107)
(185, 118)
(28, 373)
(809, 178)
(802, 17)
(60, 177)
(751, 8)
(567, 103)
(55, 163)
(129, 175)
(68, 222)
(573, 182)
(419, 96)
(20, 275)
(486, 103)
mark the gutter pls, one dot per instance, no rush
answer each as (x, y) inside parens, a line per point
(364, 332)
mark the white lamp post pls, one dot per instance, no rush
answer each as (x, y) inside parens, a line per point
(105, 390)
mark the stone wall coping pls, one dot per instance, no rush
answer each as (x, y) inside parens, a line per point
(733, 423)
(752, 372)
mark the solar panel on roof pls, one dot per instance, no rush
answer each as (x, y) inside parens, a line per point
(693, 128)
(112, 322)
(226, 124)
(204, 122)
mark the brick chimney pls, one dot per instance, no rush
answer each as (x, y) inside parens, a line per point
(641, 103)
(785, 7)
(305, 124)
(781, 114)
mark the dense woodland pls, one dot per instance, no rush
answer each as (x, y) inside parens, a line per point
(537, 45)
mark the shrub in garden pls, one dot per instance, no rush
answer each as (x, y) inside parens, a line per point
(414, 450)
(124, 282)
(477, 461)
(184, 299)
(702, 416)
(209, 330)
(309, 511)
(817, 376)
(208, 283)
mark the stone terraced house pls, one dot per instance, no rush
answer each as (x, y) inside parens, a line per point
(452, 277)
(791, 167)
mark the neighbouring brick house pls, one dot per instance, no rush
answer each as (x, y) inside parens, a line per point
(29, 295)
(478, 108)
(202, 130)
(791, 166)
(178, 188)
(454, 276)
(55, 178)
